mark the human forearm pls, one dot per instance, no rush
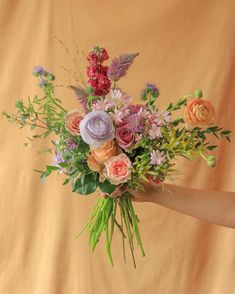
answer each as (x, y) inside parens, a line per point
(216, 207)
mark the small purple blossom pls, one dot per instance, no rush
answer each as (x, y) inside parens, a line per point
(157, 157)
(155, 132)
(149, 90)
(57, 159)
(38, 70)
(42, 83)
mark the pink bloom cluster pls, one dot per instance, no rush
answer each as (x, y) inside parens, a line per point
(98, 73)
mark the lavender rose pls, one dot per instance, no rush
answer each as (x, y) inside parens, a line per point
(96, 128)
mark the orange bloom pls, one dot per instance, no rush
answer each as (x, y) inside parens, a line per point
(72, 122)
(92, 163)
(199, 112)
(105, 152)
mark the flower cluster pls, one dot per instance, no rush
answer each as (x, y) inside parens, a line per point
(45, 76)
(115, 145)
(97, 72)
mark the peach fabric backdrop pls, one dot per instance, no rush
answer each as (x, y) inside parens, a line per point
(183, 45)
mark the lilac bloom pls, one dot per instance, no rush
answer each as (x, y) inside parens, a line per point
(155, 132)
(157, 157)
(58, 159)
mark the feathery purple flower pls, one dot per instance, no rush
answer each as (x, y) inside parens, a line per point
(81, 96)
(120, 65)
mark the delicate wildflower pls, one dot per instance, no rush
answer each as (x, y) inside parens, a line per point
(57, 159)
(157, 157)
(116, 93)
(149, 90)
(42, 83)
(117, 116)
(155, 132)
(103, 104)
(38, 71)
(162, 117)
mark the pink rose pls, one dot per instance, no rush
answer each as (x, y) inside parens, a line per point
(72, 122)
(118, 169)
(124, 136)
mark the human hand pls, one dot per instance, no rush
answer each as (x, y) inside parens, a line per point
(148, 195)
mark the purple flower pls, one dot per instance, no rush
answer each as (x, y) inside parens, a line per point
(157, 157)
(149, 90)
(58, 159)
(38, 71)
(96, 128)
(42, 83)
(155, 132)
(70, 145)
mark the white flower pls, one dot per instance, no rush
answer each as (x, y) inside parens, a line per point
(115, 93)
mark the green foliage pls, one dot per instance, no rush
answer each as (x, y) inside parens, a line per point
(107, 187)
(45, 114)
(86, 184)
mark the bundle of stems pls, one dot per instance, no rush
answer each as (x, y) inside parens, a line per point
(104, 219)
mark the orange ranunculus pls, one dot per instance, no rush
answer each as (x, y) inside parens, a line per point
(92, 163)
(72, 122)
(199, 112)
(105, 152)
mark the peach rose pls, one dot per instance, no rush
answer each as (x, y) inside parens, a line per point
(118, 169)
(106, 151)
(199, 113)
(72, 122)
(92, 163)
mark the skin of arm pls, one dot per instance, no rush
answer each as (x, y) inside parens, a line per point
(217, 207)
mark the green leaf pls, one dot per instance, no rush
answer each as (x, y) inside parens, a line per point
(212, 147)
(50, 168)
(83, 147)
(225, 132)
(107, 187)
(66, 181)
(87, 185)
(63, 164)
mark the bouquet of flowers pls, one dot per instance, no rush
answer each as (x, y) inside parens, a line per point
(115, 145)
